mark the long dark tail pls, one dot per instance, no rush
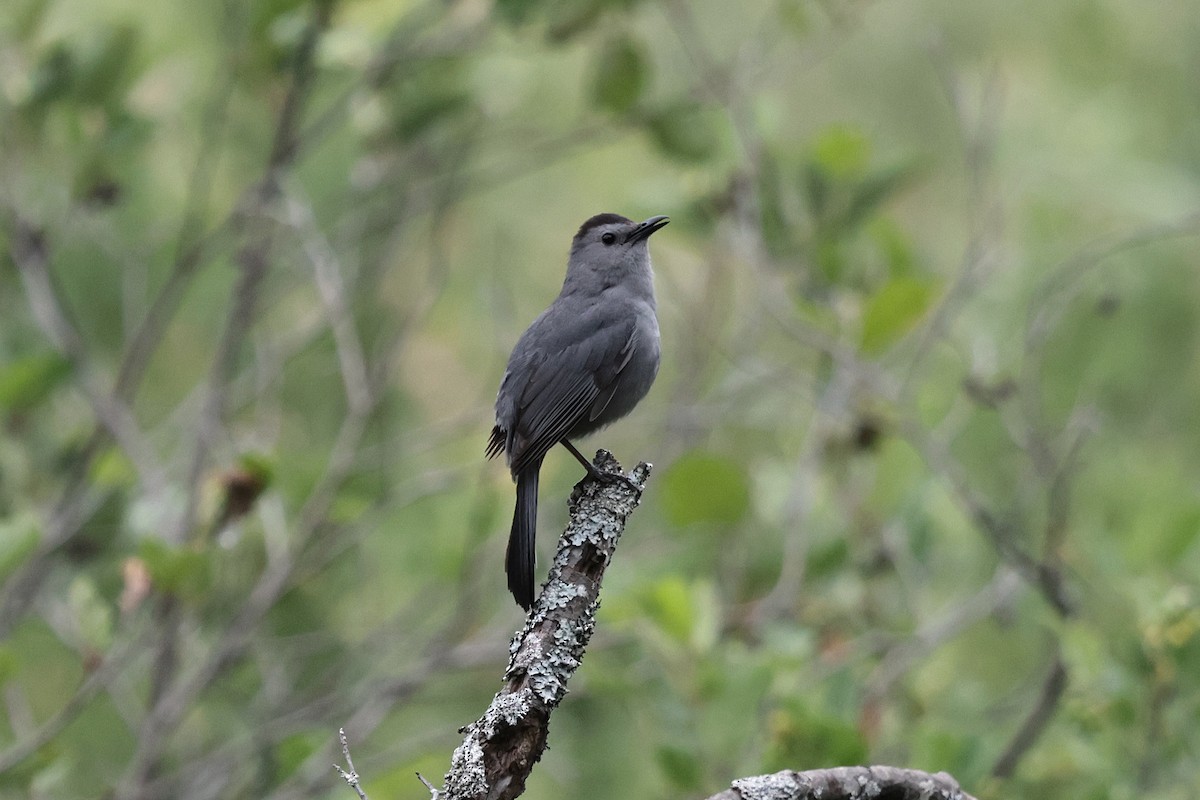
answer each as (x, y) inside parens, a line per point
(519, 560)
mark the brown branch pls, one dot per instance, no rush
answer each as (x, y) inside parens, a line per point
(1052, 691)
(846, 783)
(500, 749)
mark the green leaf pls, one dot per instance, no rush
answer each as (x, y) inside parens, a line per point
(669, 606)
(681, 767)
(93, 616)
(52, 78)
(828, 558)
(9, 663)
(778, 230)
(817, 189)
(893, 311)
(842, 151)
(688, 612)
(19, 535)
(685, 131)
(620, 75)
(799, 734)
(700, 487)
(894, 243)
(873, 192)
(517, 12)
(794, 18)
(432, 91)
(260, 465)
(176, 570)
(112, 469)
(104, 63)
(27, 382)
(569, 18)
(291, 752)
(24, 18)
(424, 111)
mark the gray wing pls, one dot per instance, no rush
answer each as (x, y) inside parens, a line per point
(565, 368)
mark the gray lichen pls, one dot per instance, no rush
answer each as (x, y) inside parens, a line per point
(778, 786)
(550, 647)
(467, 776)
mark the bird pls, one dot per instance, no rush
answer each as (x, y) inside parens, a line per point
(585, 362)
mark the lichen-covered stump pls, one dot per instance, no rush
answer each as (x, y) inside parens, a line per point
(500, 749)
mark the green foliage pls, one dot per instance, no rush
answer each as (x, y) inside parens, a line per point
(431, 92)
(681, 767)
(686, 131)
(893, 311)
(702, 487)
(26, 382)
(619, 75)
(798, 734)
(183, 571)
(19, 535)
(516, 12)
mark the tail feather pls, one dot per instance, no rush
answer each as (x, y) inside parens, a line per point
(521, 556)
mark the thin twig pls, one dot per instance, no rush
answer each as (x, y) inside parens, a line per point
(964, 613)
(1039, 717)
(115, 661)
(434, 792)
(327, 275)
(350, 777)
(29, 252)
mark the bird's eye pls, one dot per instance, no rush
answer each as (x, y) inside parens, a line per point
(608, 238)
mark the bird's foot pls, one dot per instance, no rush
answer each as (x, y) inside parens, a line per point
(596, 474)
(612, 477)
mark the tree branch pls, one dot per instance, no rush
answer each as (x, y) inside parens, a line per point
(1039, 717)
(500, 749)
(846, 783)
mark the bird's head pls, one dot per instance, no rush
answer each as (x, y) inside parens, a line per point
(611, 247)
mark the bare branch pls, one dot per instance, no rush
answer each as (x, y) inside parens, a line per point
(500, 749)
(1052, 691)
(846, 783)
(1001, 589)
(327, 275)
(96, 681)
(30, 253)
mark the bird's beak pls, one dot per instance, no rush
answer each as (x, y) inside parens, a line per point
(643, 230)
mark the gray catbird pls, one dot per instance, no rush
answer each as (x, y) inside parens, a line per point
(586, 361)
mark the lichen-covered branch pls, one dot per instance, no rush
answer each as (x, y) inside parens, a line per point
(846, 783)
(500, 749)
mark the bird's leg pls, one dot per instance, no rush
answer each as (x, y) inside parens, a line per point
(596, 474)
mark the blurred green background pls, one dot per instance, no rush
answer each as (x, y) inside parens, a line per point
(926, 447)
